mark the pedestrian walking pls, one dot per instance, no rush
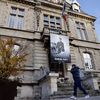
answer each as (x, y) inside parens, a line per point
(77, 82)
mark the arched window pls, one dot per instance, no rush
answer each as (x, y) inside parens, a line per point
(88, 61)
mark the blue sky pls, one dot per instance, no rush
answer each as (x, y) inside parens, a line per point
(92, 7)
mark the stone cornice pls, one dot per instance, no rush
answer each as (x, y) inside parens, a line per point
(87, 44)
(27, 2)
(18, 33)
(52, 5)
(82, 15)
(72, 38)
(14, 29)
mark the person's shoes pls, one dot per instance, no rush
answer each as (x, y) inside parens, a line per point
(73, 97)
(87, 96)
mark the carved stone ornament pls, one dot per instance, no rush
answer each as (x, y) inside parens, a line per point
(37, 13)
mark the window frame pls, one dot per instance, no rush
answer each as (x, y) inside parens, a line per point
(14, 50)
(81, 30)
(18, 18)
(52, 21)
(90, 62)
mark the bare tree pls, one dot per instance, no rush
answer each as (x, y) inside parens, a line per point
(12, 58)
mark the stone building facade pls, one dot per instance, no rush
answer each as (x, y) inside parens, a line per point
(30, 23)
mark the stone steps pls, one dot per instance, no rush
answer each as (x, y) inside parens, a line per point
(66, 90)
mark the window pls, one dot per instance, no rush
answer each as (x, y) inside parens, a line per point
(76, 7)
(58, 22)
(88, 61)
(15, 49)
(81, 31)
(46, 20)
(52, 22)
(16, 18)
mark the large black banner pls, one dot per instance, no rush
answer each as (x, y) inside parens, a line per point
(59, 48)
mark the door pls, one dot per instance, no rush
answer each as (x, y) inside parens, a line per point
(58, 68)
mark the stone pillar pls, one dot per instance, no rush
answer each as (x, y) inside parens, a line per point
(48, 85)
(53, 82)
(95, 84)
(92, 81)
(26, 93)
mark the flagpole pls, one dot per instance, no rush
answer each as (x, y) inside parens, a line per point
(65, 20)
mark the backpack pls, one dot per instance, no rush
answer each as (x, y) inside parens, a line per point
(81, 74)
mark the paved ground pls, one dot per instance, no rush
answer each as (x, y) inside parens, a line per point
(79, 98)
(82, 98)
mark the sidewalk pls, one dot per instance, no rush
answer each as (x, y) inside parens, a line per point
(91, 98)
(81, 98)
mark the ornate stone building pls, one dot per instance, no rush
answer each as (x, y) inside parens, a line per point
(31, 22)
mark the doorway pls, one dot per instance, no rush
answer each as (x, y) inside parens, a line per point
(58, 68)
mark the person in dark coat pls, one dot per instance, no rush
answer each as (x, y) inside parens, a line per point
(77, 82)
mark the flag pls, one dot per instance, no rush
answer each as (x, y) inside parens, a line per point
(64, 15)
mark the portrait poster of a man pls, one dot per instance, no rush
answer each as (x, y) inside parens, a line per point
(59, 47)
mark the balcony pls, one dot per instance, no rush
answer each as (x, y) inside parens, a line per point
(45, 35)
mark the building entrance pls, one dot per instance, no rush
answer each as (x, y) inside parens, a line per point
(58, 68)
